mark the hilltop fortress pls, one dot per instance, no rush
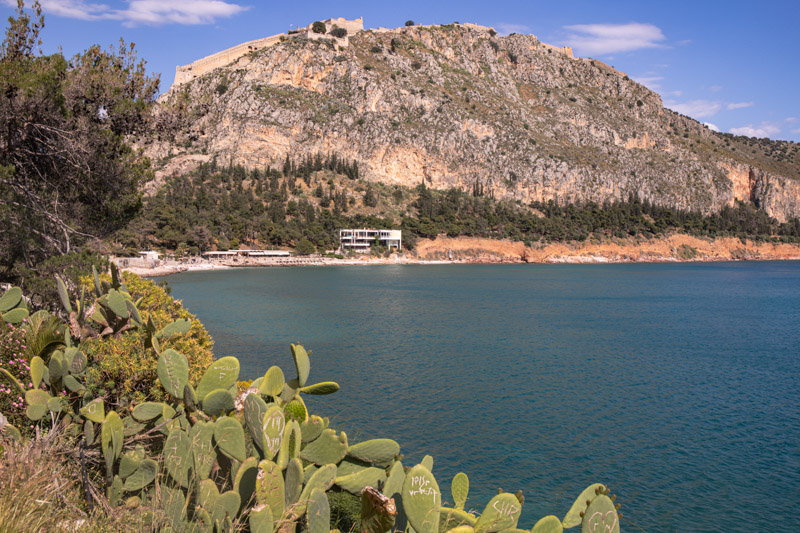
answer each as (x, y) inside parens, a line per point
(202, 66)
(207, 64)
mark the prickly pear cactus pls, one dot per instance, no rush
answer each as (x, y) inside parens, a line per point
(366, 477)
(273, 382)
(600, 517)
(421, 500)
(270, 488)
(394, 482)
(548, 524)
(327, 448)
(221, 374)
(301, 362)
(573, 516)
(178, 456)
(376, 451)
(229, 436)
(254, 410)
(245, 481)
(312, 428)
(272, 430)
(321, 479)
(502, 512)
(318, 514)
(260, 519)
(459, 489)
(173, 372)
(293, 481)
(201, 444)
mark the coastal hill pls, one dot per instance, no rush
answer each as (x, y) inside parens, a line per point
(460, 106)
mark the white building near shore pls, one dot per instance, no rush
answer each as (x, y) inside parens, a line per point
(361, 240)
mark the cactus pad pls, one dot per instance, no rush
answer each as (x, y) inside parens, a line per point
(321, 479)
(173, 372)
(366, 477)
(326, 387)
(37, 371)
(270, 488)
(178, 456)
(452, 518)
(421, 500)
(549, 524)
(327, 448)
(245, 481)
(147, 411)
(142, 477)
(312, 428)
(573, 516)
(260, 519)
(394, 483)
(201, 444)
(217, 402)
(272, 429)
(290, 448)
(295, 410)
(459, 489)
(600, 516)
(94, 411)
(502, 512)
(273, 382)
(293, 481)
(377, 451)
(229, 436)
(318, 514)
(221, 374)
(301, 363)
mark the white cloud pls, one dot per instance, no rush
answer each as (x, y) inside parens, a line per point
(505, 28)
(604, 39)
(650, 82)
(739, 105)
(712, 127)
(765, 129)
(150, 12)
(716, 88)
(791, 120)
(796, 131)
(696, 108)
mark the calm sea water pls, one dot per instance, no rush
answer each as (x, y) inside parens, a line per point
(676, 385)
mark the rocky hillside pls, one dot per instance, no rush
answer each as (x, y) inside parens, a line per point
(458, 105)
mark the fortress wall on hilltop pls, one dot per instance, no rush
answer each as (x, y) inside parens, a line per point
(186, 73)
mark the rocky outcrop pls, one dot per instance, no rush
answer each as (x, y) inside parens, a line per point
(455, 105)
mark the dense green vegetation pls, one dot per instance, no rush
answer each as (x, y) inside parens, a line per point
(162, 428)
(309, 201)
(67, 173)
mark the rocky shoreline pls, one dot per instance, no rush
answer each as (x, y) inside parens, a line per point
(473, 250)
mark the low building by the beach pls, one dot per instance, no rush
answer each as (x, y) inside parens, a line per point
(362, 240)
(230, 254)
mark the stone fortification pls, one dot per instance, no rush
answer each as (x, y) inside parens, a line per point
(202, 66)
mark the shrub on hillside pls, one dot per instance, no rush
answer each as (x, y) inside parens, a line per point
(319, 27)
(125, 372)
(339, 33)
(410, 23)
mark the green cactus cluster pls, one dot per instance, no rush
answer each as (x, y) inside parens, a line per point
(214, 459)
(13, 308)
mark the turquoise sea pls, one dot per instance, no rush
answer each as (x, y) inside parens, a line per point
(678, 385)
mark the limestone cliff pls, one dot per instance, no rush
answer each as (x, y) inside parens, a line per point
(457, 104)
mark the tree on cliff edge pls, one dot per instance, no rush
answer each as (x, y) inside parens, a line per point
(66, 173)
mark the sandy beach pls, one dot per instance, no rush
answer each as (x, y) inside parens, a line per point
(465, 250)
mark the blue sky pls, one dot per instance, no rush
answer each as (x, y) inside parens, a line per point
(731, 64)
